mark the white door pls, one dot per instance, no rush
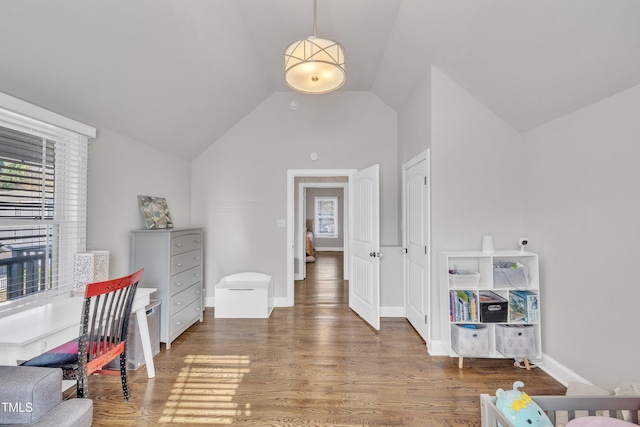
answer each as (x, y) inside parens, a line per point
(364, 245)
(416, 242)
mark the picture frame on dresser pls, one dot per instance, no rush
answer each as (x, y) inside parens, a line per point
(155, 212)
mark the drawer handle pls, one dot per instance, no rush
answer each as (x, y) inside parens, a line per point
(241, 289)
(178, 302)
(197, 241)
(198, 293)
(197, 274)
(197, 258)
(179, 284)
(178, 323)
(196, 308)
(179, 245)
(179, 264)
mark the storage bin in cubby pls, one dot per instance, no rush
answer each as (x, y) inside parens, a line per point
(493, 308)
(470, 340)
(464, 279)
(510, 277)
(516, 340)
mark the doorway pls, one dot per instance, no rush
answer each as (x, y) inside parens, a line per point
(362, 253)
(308, 239)
(295, 219)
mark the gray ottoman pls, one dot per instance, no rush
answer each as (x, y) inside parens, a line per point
(33, 396)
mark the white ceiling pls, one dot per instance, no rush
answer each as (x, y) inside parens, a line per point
(177, 74)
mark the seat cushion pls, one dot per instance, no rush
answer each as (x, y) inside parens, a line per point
(64, 357)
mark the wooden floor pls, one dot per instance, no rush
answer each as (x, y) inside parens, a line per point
(314, 364)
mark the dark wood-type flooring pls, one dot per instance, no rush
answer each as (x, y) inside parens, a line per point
(314, 364)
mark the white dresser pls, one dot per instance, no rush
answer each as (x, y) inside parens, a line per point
(173, 263)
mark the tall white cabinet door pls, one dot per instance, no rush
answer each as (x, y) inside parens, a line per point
(416, 243)
(364, 245)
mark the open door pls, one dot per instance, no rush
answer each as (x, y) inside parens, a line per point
(364, 245)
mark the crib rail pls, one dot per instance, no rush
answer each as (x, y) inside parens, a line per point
(622, 407)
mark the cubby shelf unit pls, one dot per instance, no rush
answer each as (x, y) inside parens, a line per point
(483, 263)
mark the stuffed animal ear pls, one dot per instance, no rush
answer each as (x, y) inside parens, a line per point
(499, 392)
(517, 385)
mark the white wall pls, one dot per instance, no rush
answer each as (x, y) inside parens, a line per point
(239, 183)
(120, 169)
(476, 184)
(414, 122)
(582, 214)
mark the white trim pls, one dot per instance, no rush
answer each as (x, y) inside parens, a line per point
(559, 372)
(29, 110)
(302, 188)
(330, 249)
(435, 348)
(392, 312)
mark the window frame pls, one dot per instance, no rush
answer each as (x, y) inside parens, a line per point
(317, 217)
(66, 230)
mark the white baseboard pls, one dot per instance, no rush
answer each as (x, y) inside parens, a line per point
(392, 312)
(435, 348)
(281, 302)
(277, 302)
(559, 372)
(284, 302)
(328, 249)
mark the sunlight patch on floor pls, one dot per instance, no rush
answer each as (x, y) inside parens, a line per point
(204, 389)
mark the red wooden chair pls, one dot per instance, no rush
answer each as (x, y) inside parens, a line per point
(103, 333)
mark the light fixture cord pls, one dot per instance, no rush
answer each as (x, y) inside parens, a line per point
(315, 13)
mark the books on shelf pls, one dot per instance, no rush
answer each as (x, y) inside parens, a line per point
(463, 306)
(523, 307)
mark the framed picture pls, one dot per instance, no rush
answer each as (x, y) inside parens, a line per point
(155, 212)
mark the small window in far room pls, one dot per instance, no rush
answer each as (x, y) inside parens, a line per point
(326, 217)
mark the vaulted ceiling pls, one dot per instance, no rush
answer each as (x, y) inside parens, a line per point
(177, 74)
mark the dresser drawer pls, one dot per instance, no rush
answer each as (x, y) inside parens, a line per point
(183, 299)
(185, 243)
(184, 262)
(185, 318)
(182, 281)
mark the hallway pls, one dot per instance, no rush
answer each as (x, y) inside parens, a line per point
(323, 285)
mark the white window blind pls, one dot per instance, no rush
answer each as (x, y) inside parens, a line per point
(43, 205)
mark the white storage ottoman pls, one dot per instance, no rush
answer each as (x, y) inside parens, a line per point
(470, 340)
(244, 295)
(516, 340)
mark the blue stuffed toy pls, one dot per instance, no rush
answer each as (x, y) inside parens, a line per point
(520, 409)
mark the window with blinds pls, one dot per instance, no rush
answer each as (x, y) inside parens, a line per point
(326, 217)
(43, 184)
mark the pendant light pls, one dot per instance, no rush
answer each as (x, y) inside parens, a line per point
(314, 65)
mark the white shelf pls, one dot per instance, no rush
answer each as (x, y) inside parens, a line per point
(482, 263)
